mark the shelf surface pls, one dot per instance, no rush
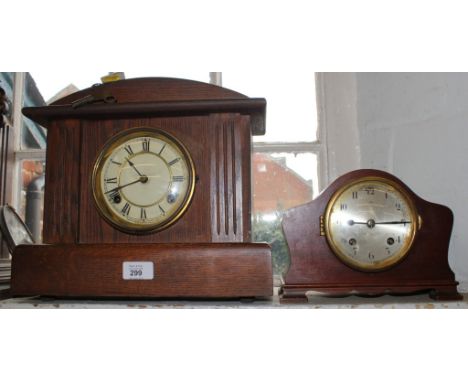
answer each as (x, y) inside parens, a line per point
(421, 301)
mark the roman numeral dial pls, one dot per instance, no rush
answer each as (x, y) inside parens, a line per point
(143, 180)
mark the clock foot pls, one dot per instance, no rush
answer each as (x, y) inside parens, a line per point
(289, 297)
(445, 294)
(247, 300)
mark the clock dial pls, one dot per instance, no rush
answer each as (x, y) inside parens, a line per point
(370, 224)
(143, 181)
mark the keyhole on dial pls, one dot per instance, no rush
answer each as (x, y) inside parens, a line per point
(352, 242)
(171, 198)
(390, 241)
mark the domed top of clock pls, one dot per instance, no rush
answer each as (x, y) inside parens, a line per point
(157, 89)
(157, 96)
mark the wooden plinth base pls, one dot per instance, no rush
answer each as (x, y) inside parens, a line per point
(221, 270)
(298, 293)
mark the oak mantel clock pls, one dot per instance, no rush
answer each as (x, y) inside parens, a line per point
(368, 234)
(148, 194)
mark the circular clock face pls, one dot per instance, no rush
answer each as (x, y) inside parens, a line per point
(371, 223)
(143, 180)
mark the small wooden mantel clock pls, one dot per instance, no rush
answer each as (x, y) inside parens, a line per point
(148, 194)
(368, 234)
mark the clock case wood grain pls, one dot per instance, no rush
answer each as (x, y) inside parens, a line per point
(211, 270)
(215, 125)
(315, 268)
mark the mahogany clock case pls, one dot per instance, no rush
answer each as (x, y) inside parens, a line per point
(207, 252)
(314, 267)
(214, 124)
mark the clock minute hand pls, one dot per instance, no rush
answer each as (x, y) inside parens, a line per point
(371, 223)
(395, 222)
(142, 179)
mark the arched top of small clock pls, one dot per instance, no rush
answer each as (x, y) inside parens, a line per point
(154, 89)
(149, 97)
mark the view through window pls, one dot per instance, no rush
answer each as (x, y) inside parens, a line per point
(284, 164)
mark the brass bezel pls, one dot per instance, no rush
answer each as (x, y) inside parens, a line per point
(389, 262)
(108, 214)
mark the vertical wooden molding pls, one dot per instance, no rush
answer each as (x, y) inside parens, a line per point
(227, 185)
(215, 189)
(226, 162)
(233, 178)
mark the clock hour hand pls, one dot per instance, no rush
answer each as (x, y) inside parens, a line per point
(352, 222)
(395, 222)
(133, 166)
(142, 179)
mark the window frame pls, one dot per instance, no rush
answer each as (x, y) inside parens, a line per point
(19, 153)
(319, 147)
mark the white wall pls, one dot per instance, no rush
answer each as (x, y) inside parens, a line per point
(413, 125)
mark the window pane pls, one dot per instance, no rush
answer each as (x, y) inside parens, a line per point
(32, 196)
(7, 84)
(280, 181)
(33, 135)
(291, 105)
